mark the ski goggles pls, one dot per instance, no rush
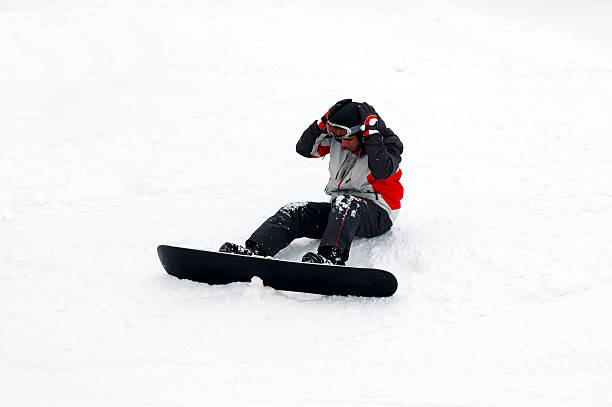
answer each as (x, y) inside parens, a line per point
(340, 132)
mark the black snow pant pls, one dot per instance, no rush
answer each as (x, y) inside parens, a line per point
(335, 223)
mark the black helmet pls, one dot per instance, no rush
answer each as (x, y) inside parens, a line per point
(347, 116)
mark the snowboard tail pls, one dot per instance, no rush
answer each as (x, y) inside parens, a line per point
(223, 268)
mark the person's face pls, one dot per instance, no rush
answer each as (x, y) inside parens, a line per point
(351, 143)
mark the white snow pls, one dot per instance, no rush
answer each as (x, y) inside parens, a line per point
(128, 124)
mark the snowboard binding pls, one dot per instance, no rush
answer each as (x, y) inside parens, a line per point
(249, 250)
(326, 255)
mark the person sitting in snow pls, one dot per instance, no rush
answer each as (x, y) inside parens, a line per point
(364, 186)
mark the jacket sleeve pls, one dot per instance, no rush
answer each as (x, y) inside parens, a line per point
(314, 142)
(384, 153)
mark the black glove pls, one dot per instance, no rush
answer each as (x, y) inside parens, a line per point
(372, 122)
(323, 121)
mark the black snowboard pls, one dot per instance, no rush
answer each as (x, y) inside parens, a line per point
(223, 268)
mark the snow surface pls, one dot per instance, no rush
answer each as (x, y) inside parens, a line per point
(128, 124)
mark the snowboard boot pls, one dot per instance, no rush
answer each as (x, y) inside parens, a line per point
(326, 255)
(234, 248)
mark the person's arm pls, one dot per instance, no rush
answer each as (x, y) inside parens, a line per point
(313, 143)
(382, 145)
(384, 154)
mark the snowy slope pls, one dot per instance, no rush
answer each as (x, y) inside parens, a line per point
(127, 124)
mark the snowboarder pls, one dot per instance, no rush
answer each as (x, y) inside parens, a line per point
(364, 186)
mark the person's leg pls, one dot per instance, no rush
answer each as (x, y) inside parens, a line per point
(349, 217)
(374, 221)
(292, 221)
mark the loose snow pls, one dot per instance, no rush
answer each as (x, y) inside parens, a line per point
(128, 124)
